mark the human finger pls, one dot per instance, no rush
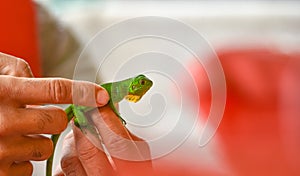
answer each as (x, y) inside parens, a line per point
(94, 161)
(70, 163)
(59, 173)
(129, 153)
(21, 168)
(25, 148)
(115, 136)
(22, 91)
(10, 65)
(33, 120)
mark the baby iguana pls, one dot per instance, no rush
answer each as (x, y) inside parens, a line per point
(131, 89)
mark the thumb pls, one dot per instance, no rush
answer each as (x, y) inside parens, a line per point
(70, 163)
(93, 160)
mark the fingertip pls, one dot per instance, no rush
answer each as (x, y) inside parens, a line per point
(21, 168)
(89, 94)
(76, 131)
(84, 139)
(62, 122)
(102, 97)
(58, 172)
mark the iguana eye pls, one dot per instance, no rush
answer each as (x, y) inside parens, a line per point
(142, 82)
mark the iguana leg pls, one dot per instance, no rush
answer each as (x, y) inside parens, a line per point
(112, 106)
(69, 112)
(80, 119)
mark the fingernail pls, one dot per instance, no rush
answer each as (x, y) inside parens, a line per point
(102, 97)
(75, 128)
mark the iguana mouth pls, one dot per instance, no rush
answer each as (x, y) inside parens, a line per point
(133, 98)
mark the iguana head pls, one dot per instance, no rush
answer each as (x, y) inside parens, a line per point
(138, 87)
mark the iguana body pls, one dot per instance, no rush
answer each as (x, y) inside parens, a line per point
(131, 89)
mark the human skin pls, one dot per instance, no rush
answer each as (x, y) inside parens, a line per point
(80, 156)
(23, 119)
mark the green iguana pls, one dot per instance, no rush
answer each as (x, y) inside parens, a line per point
(131, 89)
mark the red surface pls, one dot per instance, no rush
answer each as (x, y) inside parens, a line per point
(260, 130)
(19, 32)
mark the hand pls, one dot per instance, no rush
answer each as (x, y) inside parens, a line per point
(20, 124)
(130, 155)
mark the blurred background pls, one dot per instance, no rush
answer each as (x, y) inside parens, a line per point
(243, 23)
(258, 45)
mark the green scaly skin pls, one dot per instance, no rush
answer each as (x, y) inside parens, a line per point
(131, 89)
